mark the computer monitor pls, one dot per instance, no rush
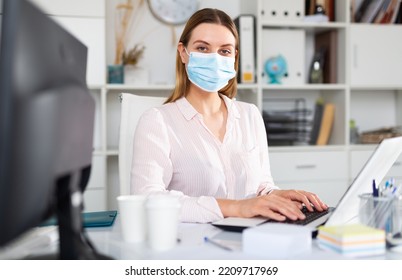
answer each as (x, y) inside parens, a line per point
(46, 128)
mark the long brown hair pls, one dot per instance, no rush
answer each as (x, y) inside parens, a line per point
(206, 15)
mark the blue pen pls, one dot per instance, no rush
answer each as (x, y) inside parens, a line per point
(375, 189)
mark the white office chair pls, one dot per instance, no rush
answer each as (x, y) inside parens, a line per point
(132, 107)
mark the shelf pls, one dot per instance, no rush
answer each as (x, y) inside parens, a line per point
(305, 87)
(247, 86)
(362, 147)
(98, 153)
(375, 24)
(307, 148)
(95, 87)
(106, 153)
(160, 87)
(377, 87)
(123, 87)
(112, 152)
(308, 26)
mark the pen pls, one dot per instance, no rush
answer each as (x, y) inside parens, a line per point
(375, 189)
(217, 243)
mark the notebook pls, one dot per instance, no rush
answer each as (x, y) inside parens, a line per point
(346, 211)
(91, 219)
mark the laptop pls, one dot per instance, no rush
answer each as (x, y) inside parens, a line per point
(347, 209)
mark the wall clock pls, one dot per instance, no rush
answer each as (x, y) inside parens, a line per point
(173, 12)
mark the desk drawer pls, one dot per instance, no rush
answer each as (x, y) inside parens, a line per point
(329, 191)
(359, 158)
(396, 169)
(308, 166)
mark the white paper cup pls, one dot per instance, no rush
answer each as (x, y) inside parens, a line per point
(163, 219)
(132, 217)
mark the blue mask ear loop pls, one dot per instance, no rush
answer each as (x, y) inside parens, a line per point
(185, 49)
(188, 79)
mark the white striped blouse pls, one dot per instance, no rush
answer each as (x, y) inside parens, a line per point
(175, 152)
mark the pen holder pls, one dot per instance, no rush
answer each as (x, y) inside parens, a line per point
(397, 217)
(384, 212)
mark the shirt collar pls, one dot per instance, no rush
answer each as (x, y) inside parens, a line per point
(186, 108)
(189, 112)
(231, 105)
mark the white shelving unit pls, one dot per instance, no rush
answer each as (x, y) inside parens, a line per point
(326, 170)
(308, 167)
(368, 89)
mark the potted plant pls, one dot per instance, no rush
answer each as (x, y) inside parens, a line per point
(133, 74)
(125, 15)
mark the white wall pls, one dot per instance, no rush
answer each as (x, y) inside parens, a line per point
(78, 8)
(86, 20)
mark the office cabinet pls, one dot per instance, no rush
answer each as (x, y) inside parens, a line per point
(376, 56)
(357, 161)
(329, 191)
(396, 169)
(309, 166)
(359, 157)
(322, 172)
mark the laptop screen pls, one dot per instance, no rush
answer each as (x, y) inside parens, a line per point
(380, 162)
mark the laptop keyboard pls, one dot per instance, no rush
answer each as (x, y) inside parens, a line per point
(310, 216)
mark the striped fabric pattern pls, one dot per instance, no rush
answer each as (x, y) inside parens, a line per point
(175, 152)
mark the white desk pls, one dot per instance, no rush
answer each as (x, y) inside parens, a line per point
(192, 246)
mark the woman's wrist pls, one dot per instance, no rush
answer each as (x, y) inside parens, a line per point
(271, 191)
(229, 207)
(266, 190)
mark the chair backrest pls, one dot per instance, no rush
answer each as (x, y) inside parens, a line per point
(132, 107)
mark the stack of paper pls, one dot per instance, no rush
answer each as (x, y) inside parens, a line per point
(352, 240)
(277, 241)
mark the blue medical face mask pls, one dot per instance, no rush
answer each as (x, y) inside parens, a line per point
(210, 71)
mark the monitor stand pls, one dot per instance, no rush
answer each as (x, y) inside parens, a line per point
(73, 243)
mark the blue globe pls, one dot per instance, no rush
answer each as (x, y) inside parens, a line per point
(276, 67)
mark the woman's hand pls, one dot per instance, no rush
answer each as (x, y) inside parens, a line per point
(302, 197)
(271, 206)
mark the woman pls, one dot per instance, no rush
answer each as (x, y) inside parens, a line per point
(204, 146)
